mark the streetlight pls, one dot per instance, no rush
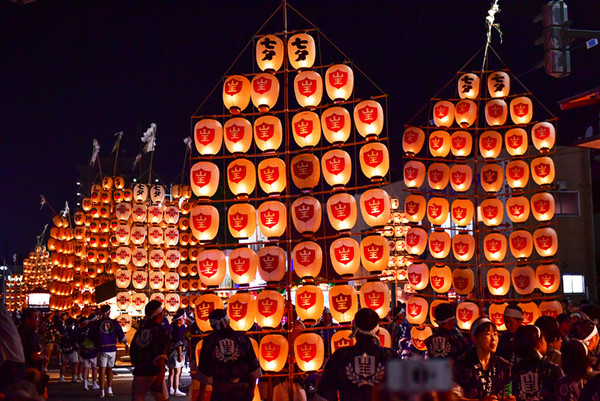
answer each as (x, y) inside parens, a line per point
(3, 270)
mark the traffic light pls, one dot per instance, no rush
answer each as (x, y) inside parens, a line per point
(557, 58)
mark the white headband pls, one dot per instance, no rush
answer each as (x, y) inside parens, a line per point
(156, 312)
(371, 333)
(478, 324)
(588, 339)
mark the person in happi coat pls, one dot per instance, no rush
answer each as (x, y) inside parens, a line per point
(446, 341)
(551, 332)
(176, 352)
(578, 371)
(586, 331)
(513, 319)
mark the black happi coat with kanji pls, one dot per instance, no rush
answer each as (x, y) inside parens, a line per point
(444, 343)
(478, 383)
(534, 379)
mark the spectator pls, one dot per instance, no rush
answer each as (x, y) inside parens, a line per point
(446, 341)
(176, 352)
(577, 369)
(49, 336)
(88, 353)
(327, 332)
(513, 319)
(32, 344)
(587, 332)
(551, 333)
(564, 324)
(400, 328)
(12, 358)
(70, 354)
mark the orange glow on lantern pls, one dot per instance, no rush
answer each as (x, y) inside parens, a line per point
(337, 167)
(309, 303)
(462, 212)
(376, 295)
(241, 177)
(545, 241)
(413, 140)
(550, 308)
(273, 352)
(342, 211)
(264, 91)
(203, 305)
(461, 177)
(306, 129)
(492, 177)
(415, 208)
(438, 176)
(368, 118)
(306, 57)
(523, 279)
(463, 280)
(440, 278)
(465, 113)
(414, 174)
(517, 209)
(496, 313)
(241, 309)
(375, 207)
(498, 281)
(272, 218)
(439, 143)
(374, 253)
(268, 133)
(548, 278)
(437, 210)
(498, 84)
(491, 212)
(139, 279)
(542, 170)
(208, 136)
(269, 53)
(516, 141)
(309, 352)
(418, 275)
(543, 136)
(212, 267)
(517, 174)
(416, 241)
(306, 214)
(490, 144)
(496, 112)
(171, 281)
(336, 124)
(243, 263)
(521, 110)
(443, 113)
(416, 310)
(204, 177)
(344, 255)
(418, 335)
(343, 302)
(468, 86)
(542, 206)
(204, 222)
(237, 135)
(439, 244)
(466, 314)
(339, 82)
(236, 93)
(341, 339)
(308, 258)
(308, 87)
(272, 175)
(530, 312)
(140, 192)
(461, 143)
(269, 309)
(241, 220)
(494, 247)
(521, 244)
(271, 264)
(305, 171)
(374, 160)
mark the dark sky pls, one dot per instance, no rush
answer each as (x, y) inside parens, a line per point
(74, 70)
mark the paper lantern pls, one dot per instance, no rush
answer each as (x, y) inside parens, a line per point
(517, 209)
(542, 170)
(465, 113)
(418, 275)
(463, 280)
(139, 279)
(342, 211)
(155, 214)
(271, 264)
(461, 143)
(548, 278)
(308, 258)
(122, 278)
(122, 233)
(138, 300)
(306, 215)
(368, 118)
(543, 136)
(376, 295)
(443, 113)
(306, 129)
(157, 296)
(124, 320)
(494, 247)
(550, 308)
(309, 303)
(301, 51)
(308, 87)
(516, 141)
(212, 267)
(517, 174)
(498, 281)
(208, 136)
(171, 214)
(490, 144)
(140, 192)
(157, 193)
(123, 255)
(492, 177)
(272, 175)
(438, 176)
(339, 82)
(542, 206)
(272, 218)
(530, 312)
(139, 213)
(498, 84)
(440, 278)
(343, 302)
(273, 352)
(375, 207)
(241, 309)
(468, 86)
(337, 167)
(139, 257)
(336, 124)
(269, 53)
(171, 236)
(171, 281)
(461, 212)
(241, 177)
(204, 222)
(521, 244)
(343, 253)
(439, 244)
(374, 160)
(414, 174)
(416, 310)
(264, 91)
(466, 314)
(341, 339)
(268, 133)
(172, 258)
(374, 253)
(123, 211)
(461, 177)
(437, 210)
(237, 135)
(305, 171)
(545, 241)
(523, 279)
(418, 335)
(496, 313)
(236, 93)
(156, 258)
(439, 143)
(270, 308)
(432, 307)
(491, 212)
(496, 112)
(384, 337)
(413, 140)
(123, 300)
(521, 110)
(172, 302)
(416, 241)
(309, 350)
(243, 264)
(203, 305)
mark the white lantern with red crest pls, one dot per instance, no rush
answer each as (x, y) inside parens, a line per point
(309, 303)
(416, 241)
(204, 222)
(443, 113)
(494, 247)
(418, 275)
(543, 136)
(123, 211)
(465, 113)
(204, 178)
(462, 211)
(418, 336)
(440, 278)
(271, 264)
(374, 253)
(241, 220)
(496, 112)
(376, 295)
(308, 87)
(155, 214)
(336, 124)
(542, 170)
(157, 296)
(437, 210)
(466, 314)
(521, 110)
(123, 255)
(139, 213)
(237, 135)
(306, 129)
(463, 280)
(208, 136)
(272, 218)
(542, 206)
(545, 241)
(461, 177)
(490, 144)
(172, 281)
(414, 174)
(337, 167)
(171, 214)
(416, 310)
(498, 281)
(157, 193)
(342, 211)
(415, 207)
(374, 160)
(123, 300)
(268, 133)
(273, 352)
(343, 253)
(139, 257)
(203, 305)
(491, 212)
(305, 171)
(236, 93)
(438, 176)
(212, 267)
(375, 207)
(122, 278)
(530, 312)
(272, 175)
(343, 303)
(241, 309)
(498, 84)
(269, 53)
(517, 209)
(171, 236)
(308, 258)
(243, 264)
(138, 300)
(548, 278)
(521, 244)
(468, 86)
(492, 177)
(301, 51)
(339, 82)
(309, 352)
(439, 143)
(241, 177)
(516, 141)
(384, 337)
(124, 320)
(440, 244)
(523, 279)
(156, 258)
(264, 91)
(496, 313)
(461, 144)
(139, 279)
(269, 309)
(140, 192)
(172, 258)
(306, 215)
(517, 174)
(550, 308)
(413, 140)
(341, 339)
(368, 118)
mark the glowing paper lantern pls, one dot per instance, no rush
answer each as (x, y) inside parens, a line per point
(384, 337)
(462, 212)
(124, 321)
(516, 141)
(415, 207)
(343, 253)
(139, 279)
(243, 263)
(203, 305)
(236, 93)
(418, 335)
(542, 206)
(413, 140)
(342, 211)
(545, 241)
(308, 87)
(212, 267)
(138, 300)
(309, 350)
(496, 112)
(498, 84)
(343, 302)
(271, 264)
(123, 300)
(208, 136)
(443, 113)
(543, 136)
(337, 167)
(542, 170)
(309, 303)
(498, 281)
(376, 295)
(517, 209)
(171, 281)
(140, 192)
(301, 51)
(374, 160)
(468, 86)
(336, 124)
(139, 257)
(491, 212)
(374, 253)
(416, 310)
(237, 135)
(204, 177)
(264, 91)
(414, 174)
(157, 258)
(521, 110)
(269, 53)
(466, 314)
(305, 171)
(418, 275)
(306, 215)
(241, 177)
(461, 143)
(416, 241)
(273, 352)
(241, 220)
(439, 244)
(123, 255)
(339, 82)
(523, 280)
(521, 244)
(171, 214)
(465, 113)
(530, 312)
(172, 258)
(368, 118)
(122, 278)
(269, 309)
(517, 174)
(268, 133)
(461, 177)
(438, 176)
(439, 143)
(341, 339)
(494, 247)
(308, 258)
(440, 278)
(375, 207)
(463, 280)
(306, 129)
(492, 177)
(437, 210)
(241, 309)
(272, 218)
(272, 175)
(490, 144)
(550, 308)
(496, 313)
(204, 222)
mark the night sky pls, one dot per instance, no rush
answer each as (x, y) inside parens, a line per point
(71, 71)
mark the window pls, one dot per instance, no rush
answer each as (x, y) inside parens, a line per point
(573, 284)
(567, 203)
